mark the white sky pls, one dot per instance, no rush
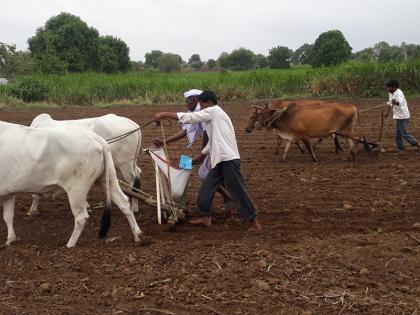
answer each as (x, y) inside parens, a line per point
(210, 27)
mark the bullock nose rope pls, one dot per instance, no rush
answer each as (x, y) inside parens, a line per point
(268, 122)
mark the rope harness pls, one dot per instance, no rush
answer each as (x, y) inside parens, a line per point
(125, 135)
(370, 108)
(268, 122)
(120, 137)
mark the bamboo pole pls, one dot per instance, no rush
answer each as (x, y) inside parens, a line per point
(159, 212)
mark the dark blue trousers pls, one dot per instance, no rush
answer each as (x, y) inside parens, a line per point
(403, 134)
(228, 172)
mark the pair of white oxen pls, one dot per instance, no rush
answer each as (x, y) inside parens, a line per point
(53, 156)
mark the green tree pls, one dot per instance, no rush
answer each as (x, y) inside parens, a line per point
(137, 66)
(67, 41)
(169, 62)
(261, 61)
(238, 59)
(223, 60)
(108, 59)
(211, 63)
(152, 58)
(279, 57)
(330, 48)
(117, 52)
(14, 63)
(365, 55)
(386, 53)
(195, 62)
(301, 55)
(411, 51)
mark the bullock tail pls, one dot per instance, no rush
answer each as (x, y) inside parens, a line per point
(136, 183)
(136, 169)
(109, 164)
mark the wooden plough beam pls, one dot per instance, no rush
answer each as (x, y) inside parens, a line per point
(146, 198)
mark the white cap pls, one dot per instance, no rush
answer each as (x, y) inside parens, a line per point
(192, 92)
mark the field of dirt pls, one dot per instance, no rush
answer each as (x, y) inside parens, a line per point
(337, 238)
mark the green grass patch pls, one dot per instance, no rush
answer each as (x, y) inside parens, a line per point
(148, 88)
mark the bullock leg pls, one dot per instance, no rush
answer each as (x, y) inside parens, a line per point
(318, 142)
(352, 150)
(337, 144)
(310, 149)
(353, 141)
(34, 207)
(8, 215)
(286, 150)
(279, 142)
(77, 201)
(121, 200)
(132, 177)
(299, 147)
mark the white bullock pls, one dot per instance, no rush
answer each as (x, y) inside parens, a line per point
(45, 160)
(124, 151)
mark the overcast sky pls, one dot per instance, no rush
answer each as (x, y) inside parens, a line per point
(210, 27)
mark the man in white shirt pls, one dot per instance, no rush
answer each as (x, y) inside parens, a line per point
(401, 114)
(224, 157)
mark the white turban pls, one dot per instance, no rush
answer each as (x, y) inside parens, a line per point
(192, 92)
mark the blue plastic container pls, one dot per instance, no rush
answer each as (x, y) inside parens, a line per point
(185, 162)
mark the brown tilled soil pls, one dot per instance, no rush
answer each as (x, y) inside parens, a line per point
(335, 238)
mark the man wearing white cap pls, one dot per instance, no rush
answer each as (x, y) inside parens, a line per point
(191, 131)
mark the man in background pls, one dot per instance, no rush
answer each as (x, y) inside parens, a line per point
(401, 115)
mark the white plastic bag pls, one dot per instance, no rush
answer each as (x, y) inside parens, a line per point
(205, 167)
(178, 177)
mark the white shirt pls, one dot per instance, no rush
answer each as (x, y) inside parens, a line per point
(222, 144)
(399, 111)
(193, 130)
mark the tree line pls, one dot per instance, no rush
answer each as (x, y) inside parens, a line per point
(67, 44)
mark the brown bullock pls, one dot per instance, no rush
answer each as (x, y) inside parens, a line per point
(314, 120)
(280, 104)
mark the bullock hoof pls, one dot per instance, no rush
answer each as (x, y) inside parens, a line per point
(144, 240)
(33, 213)
(70, 245)
(11, 240)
